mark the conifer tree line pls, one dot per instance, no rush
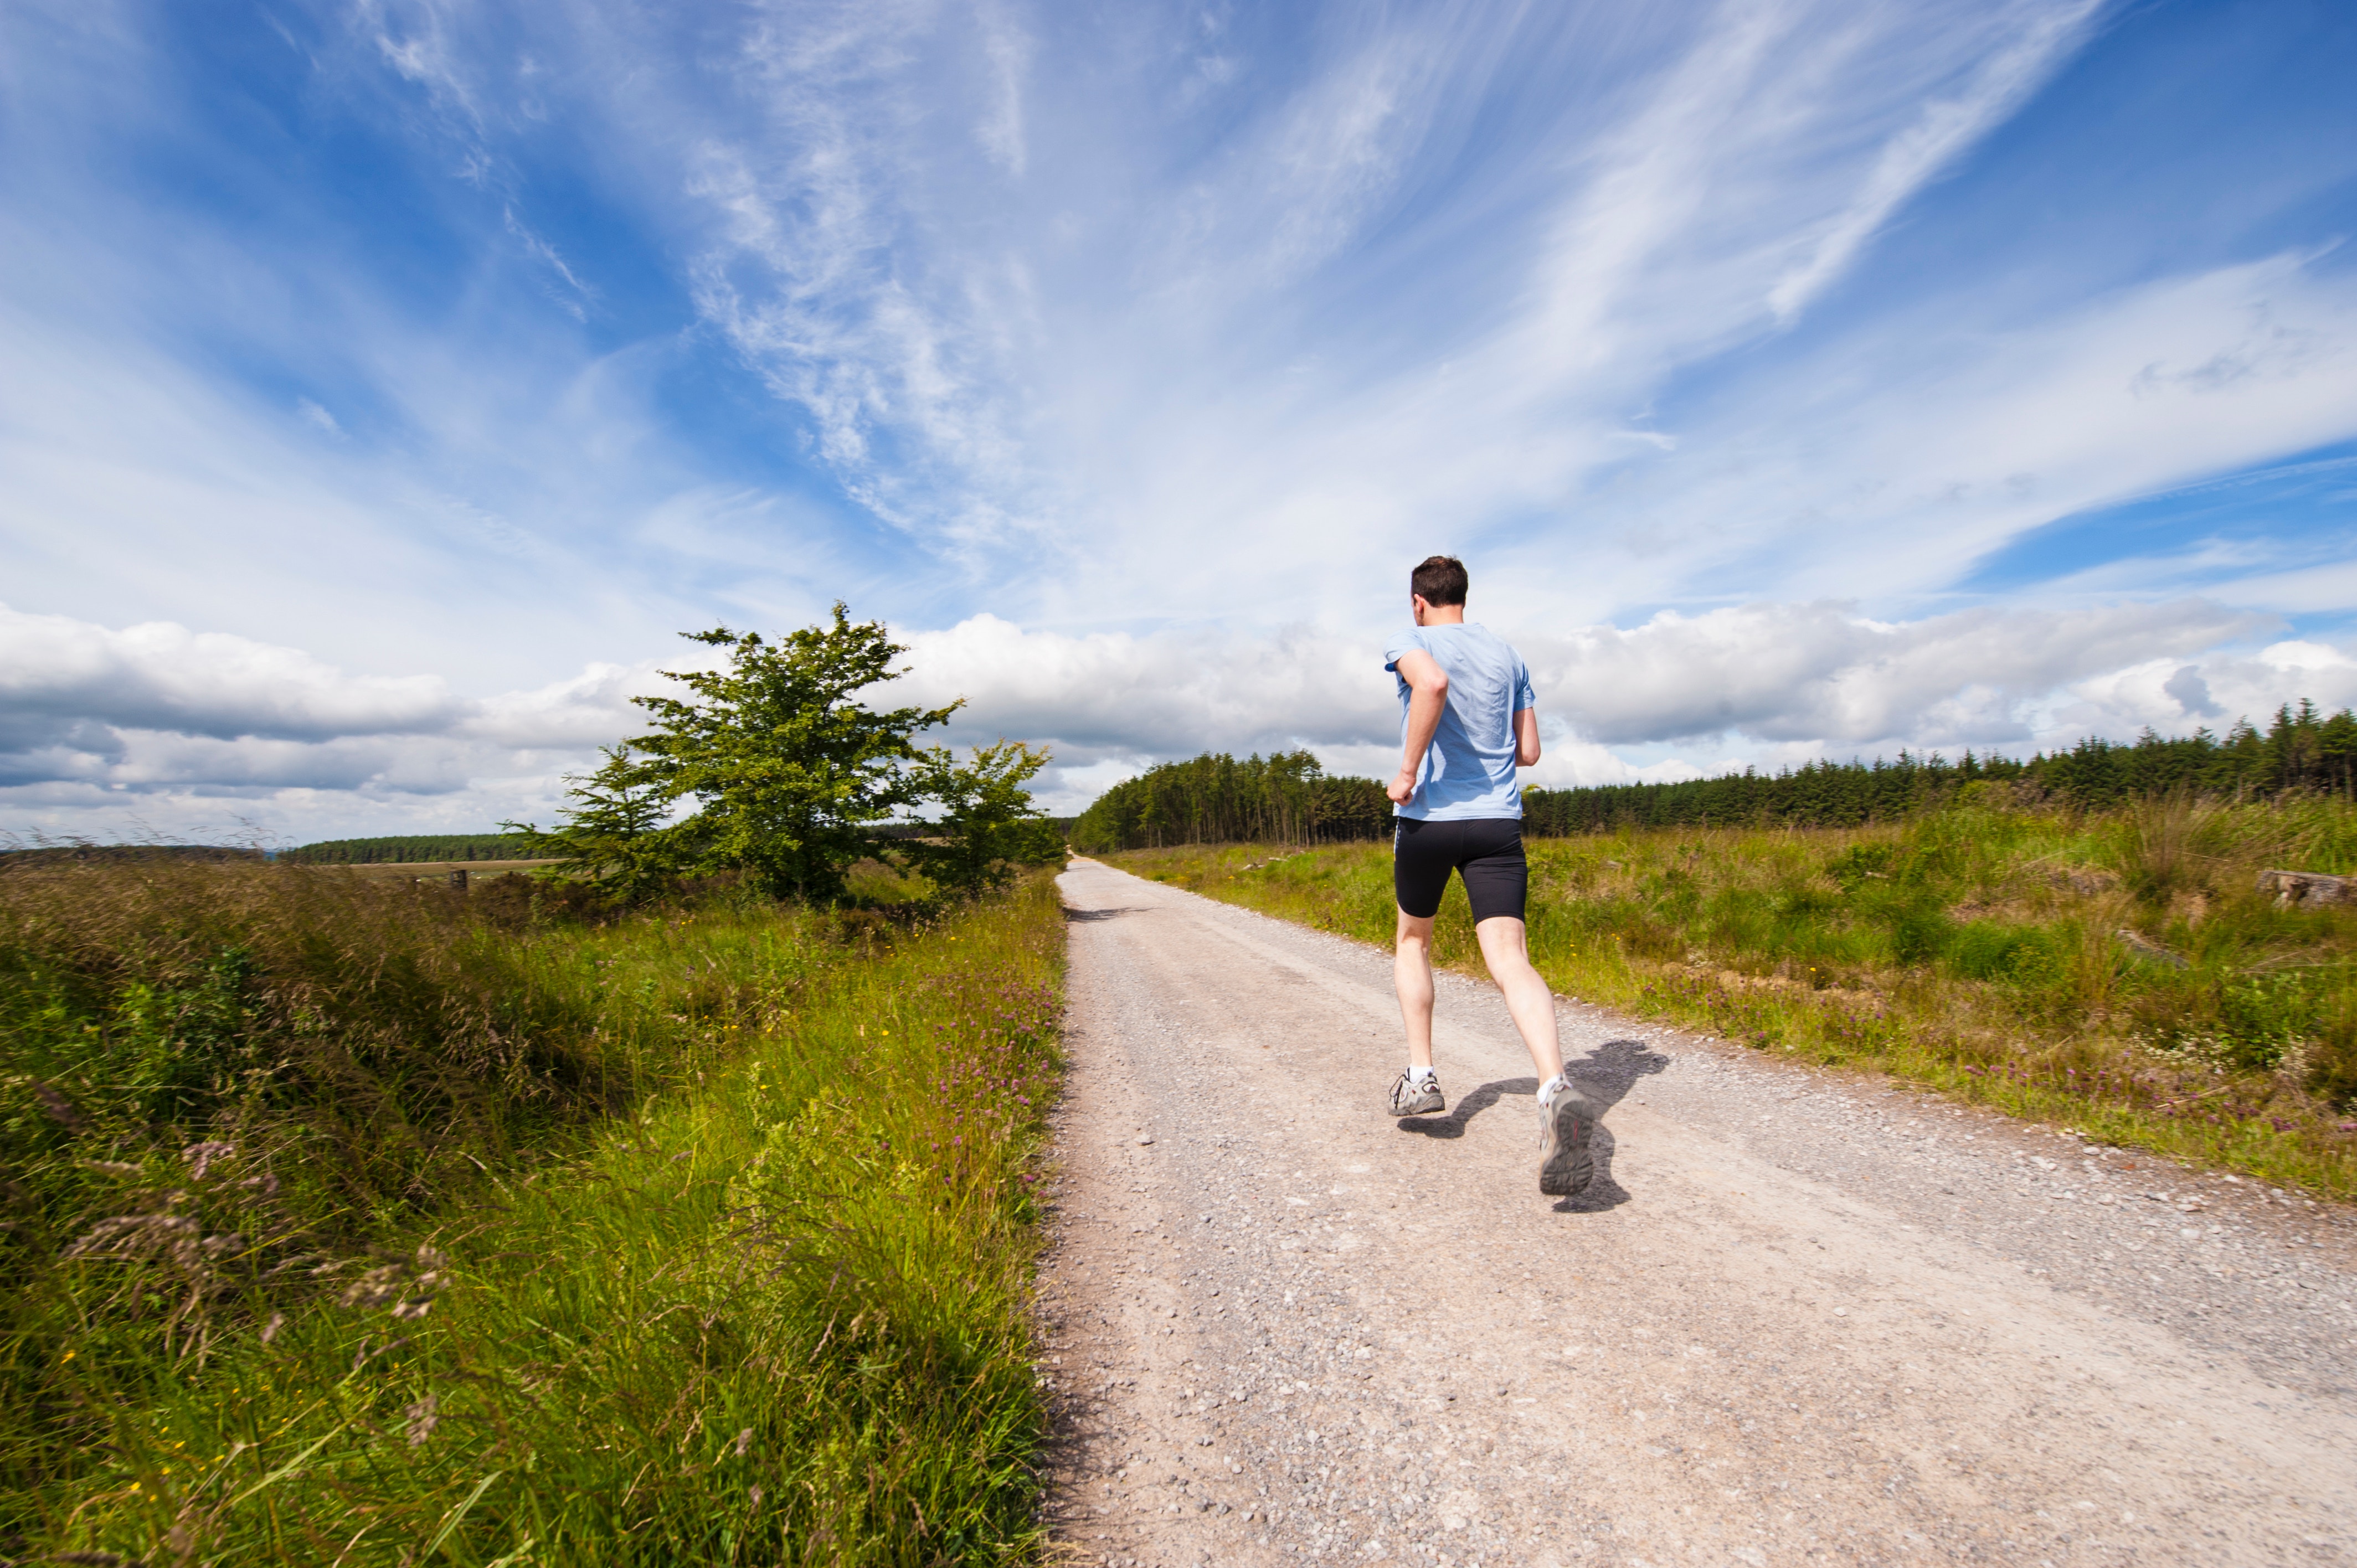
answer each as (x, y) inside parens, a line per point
(1214, 799)
(2301, 751)
(404, 848)
(1287, 799)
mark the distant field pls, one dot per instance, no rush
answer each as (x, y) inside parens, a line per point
(444, 867)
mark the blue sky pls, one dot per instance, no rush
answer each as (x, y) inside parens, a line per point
(390, 382)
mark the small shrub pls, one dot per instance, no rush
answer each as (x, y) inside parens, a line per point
(1859, 864)
(1920, 930)
(2256, 1023)
(1992, 951)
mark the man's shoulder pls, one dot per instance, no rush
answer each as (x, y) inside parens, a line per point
(1408, 639)
(1495, 645)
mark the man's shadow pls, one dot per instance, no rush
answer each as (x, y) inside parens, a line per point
(1605, 1075)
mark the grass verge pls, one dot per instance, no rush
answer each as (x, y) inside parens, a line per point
(2118, 975)
(698, 1238)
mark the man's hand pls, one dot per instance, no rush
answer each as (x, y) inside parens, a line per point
(1402, 788)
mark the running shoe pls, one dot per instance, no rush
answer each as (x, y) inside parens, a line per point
(1566, 1124)
(1413, 1096)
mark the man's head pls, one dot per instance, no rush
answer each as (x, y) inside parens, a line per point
(1438, 584)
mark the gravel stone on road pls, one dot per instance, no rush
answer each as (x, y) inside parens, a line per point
(1800, 1316)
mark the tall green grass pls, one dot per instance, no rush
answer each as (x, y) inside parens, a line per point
(347, 1225)
(1979, 949)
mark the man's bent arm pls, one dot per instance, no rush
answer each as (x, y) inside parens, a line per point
(1427, 698)
(1526, 737)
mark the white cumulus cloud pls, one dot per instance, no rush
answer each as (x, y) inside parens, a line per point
(156, 723)
(1675, 696)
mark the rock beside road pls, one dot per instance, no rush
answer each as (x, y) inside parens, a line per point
(2307, 890)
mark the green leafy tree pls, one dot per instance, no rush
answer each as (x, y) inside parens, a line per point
(987, 828)
(789, 769)
(790, 773)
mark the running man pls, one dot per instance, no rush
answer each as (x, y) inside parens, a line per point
(1466, 719)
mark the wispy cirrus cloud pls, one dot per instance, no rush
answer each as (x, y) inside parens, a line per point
(2029, 47)
(1192, 358)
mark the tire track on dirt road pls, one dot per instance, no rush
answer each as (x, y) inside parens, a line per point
(1799, 1317)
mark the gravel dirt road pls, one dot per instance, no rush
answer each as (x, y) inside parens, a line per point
(1799, 1317)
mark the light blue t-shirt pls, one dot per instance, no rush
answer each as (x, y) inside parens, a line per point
(1469, 773)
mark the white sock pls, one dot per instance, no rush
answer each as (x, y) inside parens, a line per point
(1418, 1073)
(1552, 1088)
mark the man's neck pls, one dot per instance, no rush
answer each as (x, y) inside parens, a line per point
(1442, 615)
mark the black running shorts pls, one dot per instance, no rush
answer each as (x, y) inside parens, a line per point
(1488, 852)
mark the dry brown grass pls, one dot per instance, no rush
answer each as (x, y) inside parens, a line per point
(414, 870)
(386, 1026)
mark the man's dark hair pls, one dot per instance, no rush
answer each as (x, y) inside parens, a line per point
(1439, 581)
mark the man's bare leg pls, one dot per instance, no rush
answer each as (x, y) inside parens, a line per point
(1505, 948)
(1412, 978)
(1567, 1116)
